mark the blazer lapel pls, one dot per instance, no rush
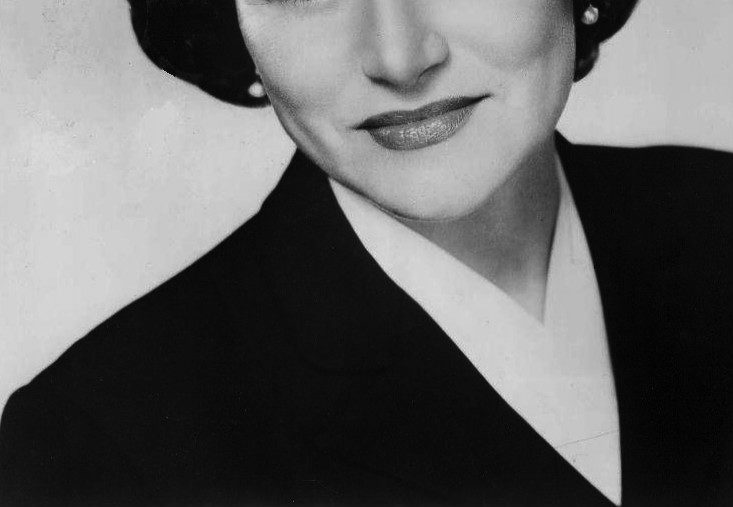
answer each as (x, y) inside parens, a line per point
(395, 395)
(434, 422)
(664, 404)
(633, 312)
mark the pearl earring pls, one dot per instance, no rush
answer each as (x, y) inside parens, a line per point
(256, 90)
(590, 16)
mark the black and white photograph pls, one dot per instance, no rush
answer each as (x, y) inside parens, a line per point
(366, 252)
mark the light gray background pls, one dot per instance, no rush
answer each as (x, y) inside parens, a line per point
(114, 175)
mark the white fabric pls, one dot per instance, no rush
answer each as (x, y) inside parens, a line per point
(557, 376)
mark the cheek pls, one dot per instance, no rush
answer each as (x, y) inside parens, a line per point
(517, 39)
(299, 63)
(532, 48)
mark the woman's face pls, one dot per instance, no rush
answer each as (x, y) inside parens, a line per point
(333, 68)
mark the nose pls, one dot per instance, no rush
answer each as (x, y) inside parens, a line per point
(401, 47)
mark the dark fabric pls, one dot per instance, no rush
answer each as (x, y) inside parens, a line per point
(285, 367)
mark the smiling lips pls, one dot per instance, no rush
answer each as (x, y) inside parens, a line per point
(428, 125)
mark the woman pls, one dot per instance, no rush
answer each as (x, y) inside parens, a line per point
(443, 301)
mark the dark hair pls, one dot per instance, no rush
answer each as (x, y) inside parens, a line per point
(200, 41)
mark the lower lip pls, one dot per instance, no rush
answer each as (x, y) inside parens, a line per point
(423, 133)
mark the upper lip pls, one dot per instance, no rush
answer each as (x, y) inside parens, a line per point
(402, 117)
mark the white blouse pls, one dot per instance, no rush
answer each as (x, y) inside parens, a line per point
(557, 374)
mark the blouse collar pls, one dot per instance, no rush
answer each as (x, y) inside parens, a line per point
(557, 374)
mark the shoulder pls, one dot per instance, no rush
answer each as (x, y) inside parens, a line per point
(676, 170)
(685, 191)
(675, 193)
(126, 398)
(165, 329)
(656, 156)
(140, 361)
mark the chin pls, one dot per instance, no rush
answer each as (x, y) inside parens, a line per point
(437, 194)
(440, 205)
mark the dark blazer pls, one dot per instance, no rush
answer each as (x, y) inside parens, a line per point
(285, 366)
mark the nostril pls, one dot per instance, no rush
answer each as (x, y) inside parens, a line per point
(403, 59)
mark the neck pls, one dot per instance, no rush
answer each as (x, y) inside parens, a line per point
(508, 239)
